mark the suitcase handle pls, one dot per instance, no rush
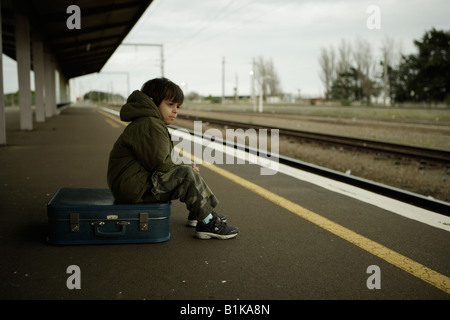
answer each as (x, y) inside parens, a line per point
(99, 233)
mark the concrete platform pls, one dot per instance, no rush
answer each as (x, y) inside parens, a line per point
(278, 255)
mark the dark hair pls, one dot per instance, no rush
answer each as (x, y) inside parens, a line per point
(160, 89)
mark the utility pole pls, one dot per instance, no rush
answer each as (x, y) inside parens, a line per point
(162, 60)
(262, 79)
(253, 73)
(223, 80)
(150, 45)
(236, 93)
(260, 107)
(386, 79)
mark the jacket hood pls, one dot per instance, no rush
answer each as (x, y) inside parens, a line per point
(139, 105)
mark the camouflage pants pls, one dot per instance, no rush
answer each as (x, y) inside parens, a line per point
(184, 183)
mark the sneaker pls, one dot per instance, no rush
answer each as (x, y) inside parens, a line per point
(192, 222)
(216, 228)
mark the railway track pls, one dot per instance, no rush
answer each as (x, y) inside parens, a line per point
(412, 198)
(377, 146)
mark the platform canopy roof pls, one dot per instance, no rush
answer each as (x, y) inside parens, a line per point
(104, 25)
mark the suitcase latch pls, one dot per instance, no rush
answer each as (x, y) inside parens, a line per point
(143, 221)
(74, 222)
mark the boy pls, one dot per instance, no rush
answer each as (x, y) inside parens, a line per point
(140, 167)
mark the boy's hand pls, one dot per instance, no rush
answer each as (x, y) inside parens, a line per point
(195, 167)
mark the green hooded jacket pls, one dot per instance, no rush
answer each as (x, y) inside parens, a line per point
(144, 147)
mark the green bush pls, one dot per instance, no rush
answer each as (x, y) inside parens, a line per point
(447, 100)
(214, 99)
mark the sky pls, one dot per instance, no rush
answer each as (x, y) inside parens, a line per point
(197, 35)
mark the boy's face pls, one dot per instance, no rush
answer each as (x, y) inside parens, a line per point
(168, 110)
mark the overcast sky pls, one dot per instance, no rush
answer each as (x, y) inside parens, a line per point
(198, 34)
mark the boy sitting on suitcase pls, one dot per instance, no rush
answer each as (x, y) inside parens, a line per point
(140, 167)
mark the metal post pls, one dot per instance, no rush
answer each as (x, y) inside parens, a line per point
(253, 84)
(162, 61)
(223, 80)
(260, 107)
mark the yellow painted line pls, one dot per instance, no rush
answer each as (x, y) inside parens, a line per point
(106, 114)
(112, 123)
(416, 269)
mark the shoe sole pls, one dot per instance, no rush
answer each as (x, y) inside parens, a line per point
(192, 223)
(209, 235)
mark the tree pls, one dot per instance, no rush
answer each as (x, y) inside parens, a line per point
(345, 57)
(391, 52)
(346, 87)
(425, 76)
(103, 97)
(433, 60)
(267, 77)
(191, 96)
(328, 67)
(365, 66)
(401, 80)
(353, 77)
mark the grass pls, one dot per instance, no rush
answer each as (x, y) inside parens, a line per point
(397, 114)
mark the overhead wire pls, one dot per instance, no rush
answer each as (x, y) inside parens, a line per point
(156, 5)
(190, 40)
(246, 22)
(206, 24)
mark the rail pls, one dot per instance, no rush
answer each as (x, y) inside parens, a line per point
(398, 149)
(415, 199)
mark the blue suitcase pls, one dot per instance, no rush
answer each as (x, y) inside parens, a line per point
(91, 216)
